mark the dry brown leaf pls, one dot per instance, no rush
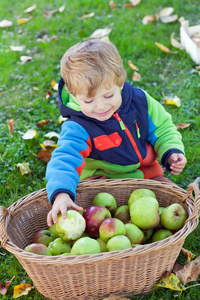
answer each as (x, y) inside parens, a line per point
(112, 5)
(132, 66)
(163, 48)
(22, 289)
(182, 125)
(147, 19)
(128, 5)
(48, 94)
(42, 123)
(177, 267)
(190, 271)
(11, 125)
(136, 76)
(30, 9)
(188, 254)
(5, 23)
(45, 154)
(5, 285)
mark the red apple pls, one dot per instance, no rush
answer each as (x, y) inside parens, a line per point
(122, 213)
(94, 216)
(43, 237)
(38, 249)
(111, 227)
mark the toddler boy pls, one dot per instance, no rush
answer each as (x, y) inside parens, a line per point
(113, 129)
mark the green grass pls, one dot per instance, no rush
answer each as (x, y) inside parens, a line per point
(23, 89)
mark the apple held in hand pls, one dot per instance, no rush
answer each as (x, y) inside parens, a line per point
(40, 249)
(94, 216)
(111, 227)
(85, 245)
(138, 193)
(134, 233)
(161, 234)
(145, 212)
(43, 237)
(122, 213)
(59, 246)
(72, 227)
(118, 242)
(107, 200)
(173, 217)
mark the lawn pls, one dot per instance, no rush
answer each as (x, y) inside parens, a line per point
(28, 97)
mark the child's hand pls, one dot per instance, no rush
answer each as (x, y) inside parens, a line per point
(61, 204)
(177, 163)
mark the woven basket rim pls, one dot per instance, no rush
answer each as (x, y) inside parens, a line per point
(180, 234)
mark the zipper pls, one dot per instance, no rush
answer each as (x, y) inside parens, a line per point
(123, 127)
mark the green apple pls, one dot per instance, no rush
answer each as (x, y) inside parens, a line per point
(138, 193)
(53, 230)
(85, 245)
(159, 226)
(173, 217)
(43, 237)
(118, 242)
(102, 244)
(145, 212)
(111, 227)
(66, 254)
(147, 235)
(59, 246)
(107, 200)
(122, 213)
(134, 233)
(72, 227)
(40, 249)
(161, 234)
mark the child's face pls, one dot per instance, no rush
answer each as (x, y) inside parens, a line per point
(102, 105)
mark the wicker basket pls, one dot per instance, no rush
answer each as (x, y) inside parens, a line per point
(127, 272)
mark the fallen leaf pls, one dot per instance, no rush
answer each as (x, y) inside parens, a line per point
(112, 5)
(54, 85)
(147, 19)
(171, 282)
(49, 143)
(190, 271)
(17, 48)
(5, 285)
(101, 32)
(25, 59)
(188, 254)
(30, 134)
(128, 5)
(88, 15)
(23, 168)
(30, 9)
(42, 123)
(23, 20)
(135, 2)
(173, 101)
(61, 9)
(181, 19)
(132, 65)
(136, 76)
(48, 14)
(175, 43)
(45, 154)
(177, 267)
(22, 289)
(163, 48)
(52, 134)
(182, 125)
(61, 119)
(5, 23)
(48, 94)
(169, 19)
(167, 11)
(11, 125)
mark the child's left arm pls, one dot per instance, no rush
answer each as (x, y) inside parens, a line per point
(177, 162)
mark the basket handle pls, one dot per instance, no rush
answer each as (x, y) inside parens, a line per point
(196, 208)
(3, 215)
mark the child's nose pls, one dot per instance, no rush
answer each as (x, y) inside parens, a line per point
(99, 104)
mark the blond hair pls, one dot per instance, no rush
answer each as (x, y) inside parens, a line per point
(90, 64)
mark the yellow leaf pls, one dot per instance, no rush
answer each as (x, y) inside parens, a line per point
(188, 254)
(173, 101)
(61, 119)
(30, 134)
(22, 289)
(163, 48)
(171, 282)
(54, 85)
(48, 143)
(23, 20)
(147, 19)
(52, 134)
(23, 168)
(132, 65)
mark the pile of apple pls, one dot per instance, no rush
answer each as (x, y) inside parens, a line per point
(105, 227)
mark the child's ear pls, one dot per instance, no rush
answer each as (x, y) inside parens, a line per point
(121, 87)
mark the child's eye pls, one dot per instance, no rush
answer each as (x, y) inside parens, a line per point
(107, 97)
(87, 102)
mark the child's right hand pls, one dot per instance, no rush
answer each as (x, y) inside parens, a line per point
(61, 204)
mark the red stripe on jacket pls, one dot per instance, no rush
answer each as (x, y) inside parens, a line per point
(84, 154)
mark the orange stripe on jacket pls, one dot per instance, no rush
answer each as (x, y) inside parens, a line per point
(84, 154)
